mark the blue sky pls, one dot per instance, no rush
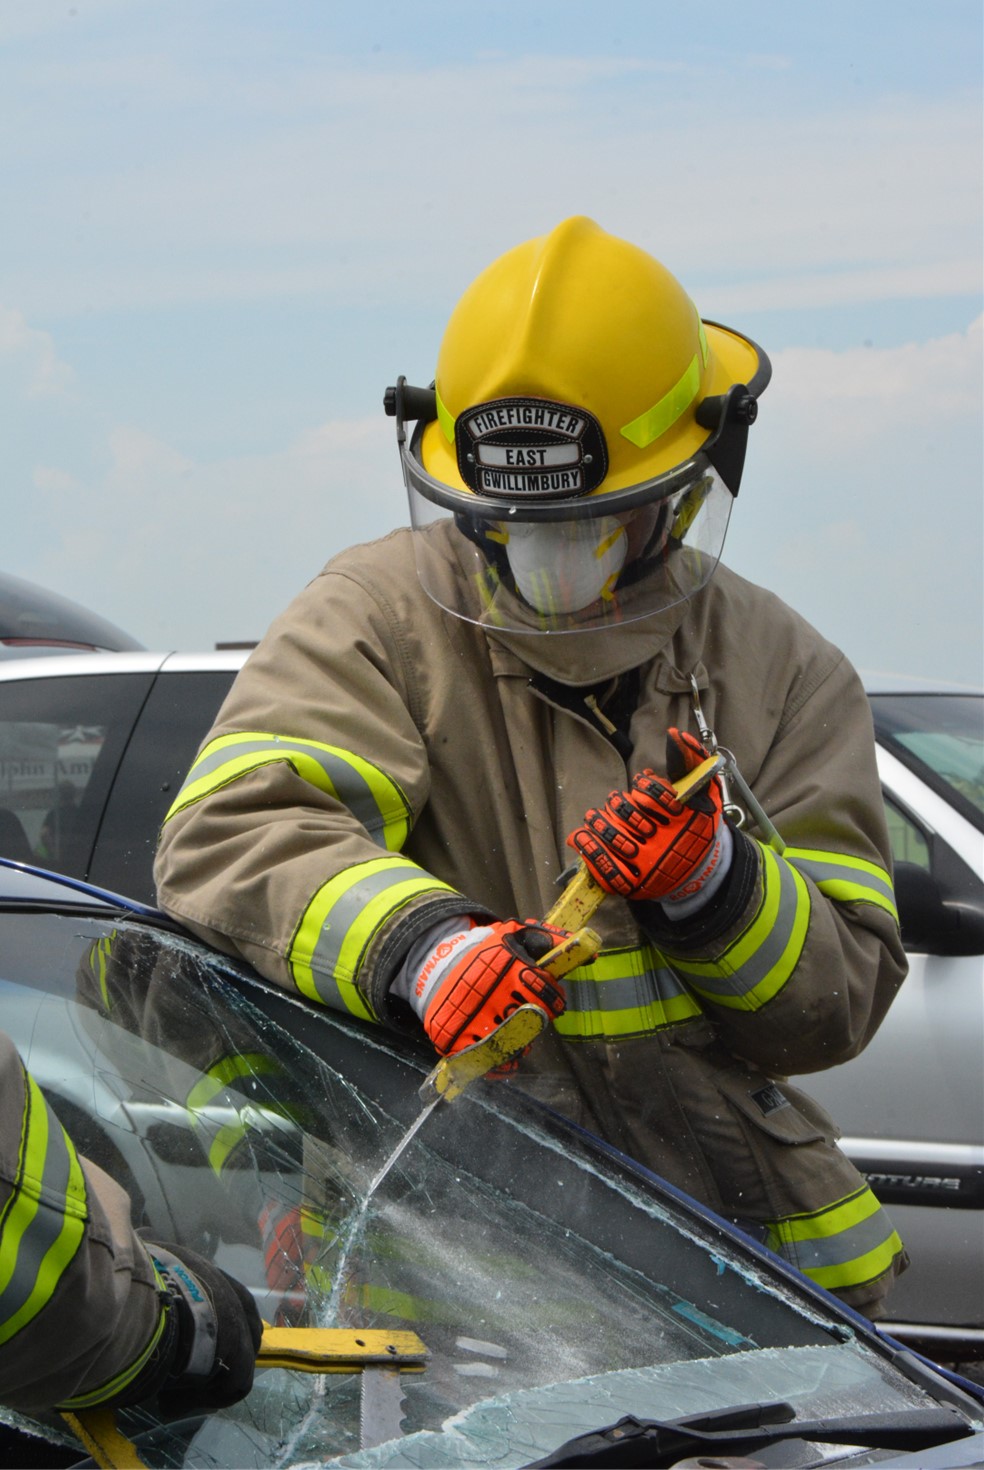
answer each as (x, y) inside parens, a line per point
(228, 225)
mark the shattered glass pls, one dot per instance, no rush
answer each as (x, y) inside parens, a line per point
(555, 1287)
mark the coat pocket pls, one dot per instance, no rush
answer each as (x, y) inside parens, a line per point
(785, 1160)
(783, 1112)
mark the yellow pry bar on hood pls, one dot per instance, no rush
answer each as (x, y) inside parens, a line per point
(107, 1445)
(303, 1349)
(339, 1349)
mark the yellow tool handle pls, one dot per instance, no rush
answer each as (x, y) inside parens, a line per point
(452, 1074)
(304, 1349)
(106, 1443)
(339, 1349)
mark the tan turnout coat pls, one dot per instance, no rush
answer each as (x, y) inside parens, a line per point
(379, 765)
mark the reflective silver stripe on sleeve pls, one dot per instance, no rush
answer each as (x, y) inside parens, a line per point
(845, 879)
(373, 797)
(43, 1221)
(761, 960)
(625, 992)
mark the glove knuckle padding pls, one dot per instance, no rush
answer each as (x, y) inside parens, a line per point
(646, 842)
(488, 985)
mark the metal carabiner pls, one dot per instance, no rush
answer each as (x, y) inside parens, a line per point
(735, 814)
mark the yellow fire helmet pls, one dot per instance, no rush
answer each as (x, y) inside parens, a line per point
(574, 462)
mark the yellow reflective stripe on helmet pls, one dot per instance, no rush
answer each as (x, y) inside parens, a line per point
(625, 992)
(847, 1243)
(846, 879)
(38, 1244)
(652, 424)
(341, 921)
(445, 417)
(373, 797)
(763, 957)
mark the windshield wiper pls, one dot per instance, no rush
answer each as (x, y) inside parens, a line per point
(648, 1444)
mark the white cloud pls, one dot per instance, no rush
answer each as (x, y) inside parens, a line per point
(337, 176)
(867, 391)
(31, 359)
(861, 503)
(191, 553)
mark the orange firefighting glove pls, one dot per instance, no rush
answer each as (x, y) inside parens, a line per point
(473, 978)
(645, 844)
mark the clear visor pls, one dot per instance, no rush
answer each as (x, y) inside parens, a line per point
(606, 560)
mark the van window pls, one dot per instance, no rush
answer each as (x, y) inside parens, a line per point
(60, 743)
(179, 712)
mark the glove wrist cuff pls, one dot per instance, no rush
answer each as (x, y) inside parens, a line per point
(702, 884)
(430, 964)
(198, 1330)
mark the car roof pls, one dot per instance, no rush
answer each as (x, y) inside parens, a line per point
(32, 617)
(878, 683)
(76, 665)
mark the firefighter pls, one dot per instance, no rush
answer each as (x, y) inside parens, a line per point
(444, 718)
(90, 1314)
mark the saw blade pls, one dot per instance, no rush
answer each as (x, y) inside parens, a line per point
(381, 1407)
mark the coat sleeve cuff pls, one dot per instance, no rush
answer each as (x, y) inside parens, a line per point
(391, 1009)
(723, 912)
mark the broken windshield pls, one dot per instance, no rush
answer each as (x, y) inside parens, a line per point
(554, 1286)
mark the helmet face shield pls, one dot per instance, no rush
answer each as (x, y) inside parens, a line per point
(542, 568)
(576, 456)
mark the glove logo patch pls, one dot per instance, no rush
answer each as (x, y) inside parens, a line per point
(530, 448)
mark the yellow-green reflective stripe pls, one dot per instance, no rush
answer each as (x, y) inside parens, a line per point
(215, 1081)
(222, 1145)
(314, 1224)
(376, 800)
(340, 922)
(37, 1245)
(760, 962)
(655, 421)
(101, 953)
(634, 1021)
(229, 1069)
(445, 418)
(318, 1278)
(868, 1267)
(396, 1303)
(116, 1385)
(846, 1244)
(846, 879)
(625, 992)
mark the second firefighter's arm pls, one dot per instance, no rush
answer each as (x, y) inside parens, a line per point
(82, 1311)
(90, 1315)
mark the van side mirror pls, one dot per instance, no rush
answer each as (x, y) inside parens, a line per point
(940, 912)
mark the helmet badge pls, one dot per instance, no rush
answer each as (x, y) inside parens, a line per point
(530, 449)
